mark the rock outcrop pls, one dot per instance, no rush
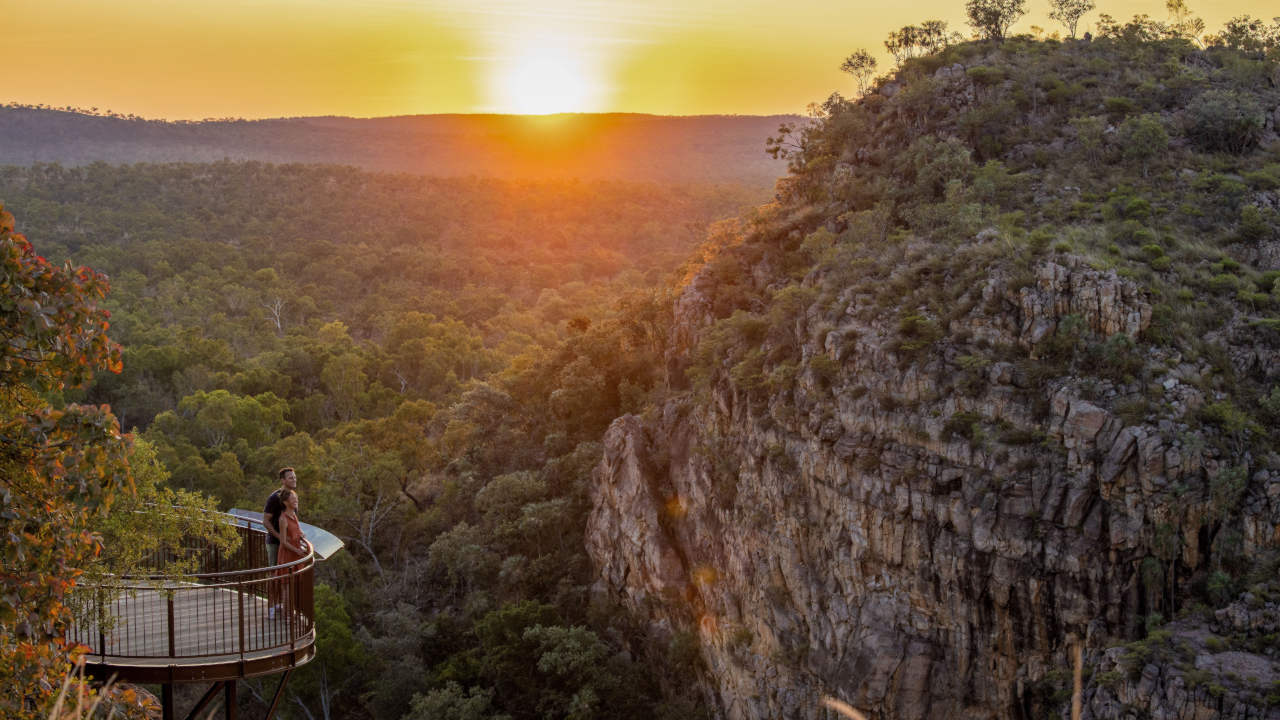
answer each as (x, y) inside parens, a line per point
(917, 554)
(985, 384)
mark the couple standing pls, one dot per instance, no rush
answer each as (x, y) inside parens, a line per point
(285, 541)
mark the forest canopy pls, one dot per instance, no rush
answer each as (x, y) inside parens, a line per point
(437, 358)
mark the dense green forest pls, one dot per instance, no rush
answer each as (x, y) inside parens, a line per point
(437, 358)
(614, 146)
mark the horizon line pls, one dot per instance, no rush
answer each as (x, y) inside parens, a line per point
(113, 115)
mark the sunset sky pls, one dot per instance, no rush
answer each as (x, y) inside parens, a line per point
(191, 59)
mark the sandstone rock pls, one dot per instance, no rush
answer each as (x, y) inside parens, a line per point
(909, 573)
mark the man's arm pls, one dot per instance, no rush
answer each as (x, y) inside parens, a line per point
(266, 522)
(266, 517)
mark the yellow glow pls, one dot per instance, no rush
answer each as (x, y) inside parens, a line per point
(269, 58)
(546, 79)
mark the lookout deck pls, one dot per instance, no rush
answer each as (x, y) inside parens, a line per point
(213, 626)
(192, 632)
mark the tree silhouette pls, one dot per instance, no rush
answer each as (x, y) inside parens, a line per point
(861, 65)
(993, 18)
(1069, 12)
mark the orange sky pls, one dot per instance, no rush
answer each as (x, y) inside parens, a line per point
(194, 59)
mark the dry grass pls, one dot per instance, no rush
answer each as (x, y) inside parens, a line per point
(75, 685)
(79, 700)
(843, 708)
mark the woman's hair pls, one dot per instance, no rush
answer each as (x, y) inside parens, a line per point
(285, 494)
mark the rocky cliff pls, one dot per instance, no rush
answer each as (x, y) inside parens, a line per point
(921, 505)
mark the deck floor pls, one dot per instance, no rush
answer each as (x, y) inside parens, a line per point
(206, 628)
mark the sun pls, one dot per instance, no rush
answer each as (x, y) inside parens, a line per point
(545, 79)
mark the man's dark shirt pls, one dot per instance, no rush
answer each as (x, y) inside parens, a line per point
(273, 510)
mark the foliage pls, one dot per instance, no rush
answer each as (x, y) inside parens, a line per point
(1143, 138)
(914, 40)
(1249, 35)
(862, 66)
(156, 520)
(433, 337)
(993, 18)
(62, 467)
(1222, 120)
(452, 703)
(1069, 12)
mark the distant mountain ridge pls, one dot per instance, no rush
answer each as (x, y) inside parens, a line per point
(712, 148)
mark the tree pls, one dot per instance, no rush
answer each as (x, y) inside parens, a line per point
(901, 44)
(339, 657)
(933, 36)
(915, 40)
(61, 468)
(451, 703)
(993, 18)
(862, 66)
(345, 380)
(1143, 138)
(1182, 23)
(1069, 12)
(1223, 120)
(1249, 35)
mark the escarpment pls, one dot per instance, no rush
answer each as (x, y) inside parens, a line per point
(937, 435)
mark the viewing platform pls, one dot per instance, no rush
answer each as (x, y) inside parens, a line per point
(213, 626)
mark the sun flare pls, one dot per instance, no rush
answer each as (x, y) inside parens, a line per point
(544, 79)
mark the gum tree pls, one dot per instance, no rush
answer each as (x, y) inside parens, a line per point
(1069, 12)
(993, 18)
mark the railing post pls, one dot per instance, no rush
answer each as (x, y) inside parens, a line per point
(293, 607)
(169, 603)
(240, 619)
(99, 616)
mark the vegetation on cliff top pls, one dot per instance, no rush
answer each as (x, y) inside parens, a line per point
(1133, 153)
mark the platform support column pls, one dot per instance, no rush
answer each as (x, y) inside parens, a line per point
(166, 701)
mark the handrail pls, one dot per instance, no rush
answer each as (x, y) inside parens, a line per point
(240, 523)
(222, 615)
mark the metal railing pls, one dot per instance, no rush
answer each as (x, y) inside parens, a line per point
(221, 612)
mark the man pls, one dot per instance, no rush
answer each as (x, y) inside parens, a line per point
(271, 513)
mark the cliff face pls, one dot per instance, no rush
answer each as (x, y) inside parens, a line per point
(990, 381)
(848, 539)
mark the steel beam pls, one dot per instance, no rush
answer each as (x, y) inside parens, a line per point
(204, 701)
(275, 702)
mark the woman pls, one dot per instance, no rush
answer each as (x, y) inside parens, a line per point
(292, 547)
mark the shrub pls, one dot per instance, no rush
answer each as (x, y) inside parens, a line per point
(1118, 357)
(1143, 138)
(985, 126)
(967, 425)
(917, 332)
(1253, 225)
(825, 370)
(1224, 283)
(1091, 134)
(1119, 106)
(1224, 121)
(985, 75)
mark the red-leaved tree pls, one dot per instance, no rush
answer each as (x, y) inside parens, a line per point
(60, 467)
